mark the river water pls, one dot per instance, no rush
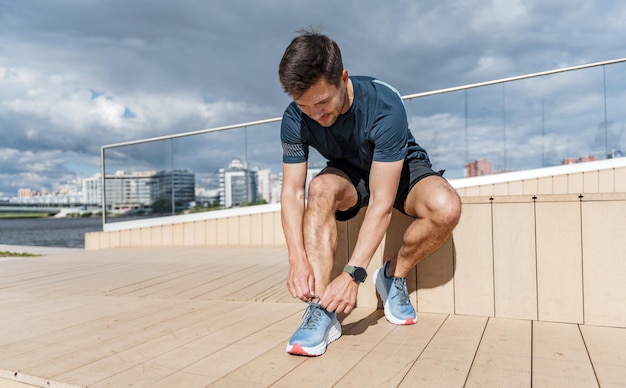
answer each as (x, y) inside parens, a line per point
(50, 232)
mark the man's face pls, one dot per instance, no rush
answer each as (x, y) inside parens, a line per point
(324, 102)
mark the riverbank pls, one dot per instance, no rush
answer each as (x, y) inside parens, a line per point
(15, 216)
(34, 250)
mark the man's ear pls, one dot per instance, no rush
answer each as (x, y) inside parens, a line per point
(344, 76)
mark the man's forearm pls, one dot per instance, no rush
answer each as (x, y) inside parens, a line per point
(373, 228)
(292, 214)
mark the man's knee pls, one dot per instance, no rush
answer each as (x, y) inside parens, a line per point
(447, 209)
(320, 191)
(331, 191)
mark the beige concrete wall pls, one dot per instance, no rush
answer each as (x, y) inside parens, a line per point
(559, 258)
(549, 249)
(242, 230)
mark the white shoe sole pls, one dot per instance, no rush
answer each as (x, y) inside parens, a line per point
(332, 334)
(382, 291)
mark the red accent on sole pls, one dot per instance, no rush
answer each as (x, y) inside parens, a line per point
(409, 321)
(297, 349)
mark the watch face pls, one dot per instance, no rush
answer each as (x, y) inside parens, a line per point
(359, 274)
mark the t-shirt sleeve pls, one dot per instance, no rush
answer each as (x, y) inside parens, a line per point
(390, 133)
(294, 148)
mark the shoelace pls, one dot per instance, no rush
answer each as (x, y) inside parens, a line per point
(312, 316)
(402, 295)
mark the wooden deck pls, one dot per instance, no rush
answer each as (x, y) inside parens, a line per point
(194, 317)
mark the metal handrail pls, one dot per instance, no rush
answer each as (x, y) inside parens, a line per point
(516, 78)
(407, 97)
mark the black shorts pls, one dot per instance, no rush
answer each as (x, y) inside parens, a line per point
(413, 171)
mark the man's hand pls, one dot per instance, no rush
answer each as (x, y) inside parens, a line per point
(340, 294)
(300, 281)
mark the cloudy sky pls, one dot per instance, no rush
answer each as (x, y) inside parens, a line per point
(79, 74)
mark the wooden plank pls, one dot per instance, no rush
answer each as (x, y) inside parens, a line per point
(233, 231)
(80, 361)
(245, 230)
(473, 273)
(486, 190)
(256, 225)
(603, 262)
(514, 260)
(341, 356)
(545, 185)
(269, 367)
(189, 233)
(620, 180)
(435, 281)
(199, 235)
(279, 235)
(591, 182)
(530, 186)
(390, 360)
(559, 262)
(447, 359)
(501, 189)
(559, 357)
(504, 355)
(267, 231)
(178, 235)
(206, 347)
(125, 238)
(211, 232)
(516, 188)
(145, 237)
(606, 349)
(221, 227)
(156, 235)
(212, 357)
(575, 183)
(167, 232)
(606, 181)
(559, 184)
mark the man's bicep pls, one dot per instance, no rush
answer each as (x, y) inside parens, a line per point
(384, 179)
(294, 177)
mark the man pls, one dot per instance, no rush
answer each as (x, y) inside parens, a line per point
(360, 126)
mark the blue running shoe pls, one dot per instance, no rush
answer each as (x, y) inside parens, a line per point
(318, 329)
(395, 297)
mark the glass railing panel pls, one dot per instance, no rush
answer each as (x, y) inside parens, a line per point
(574, 116)
(128, 182)
(438, 124)
(520, 123)
(616, 114)
(200, 161)
(522, 126)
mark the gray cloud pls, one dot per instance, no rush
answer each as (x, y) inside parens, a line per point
(77, 75)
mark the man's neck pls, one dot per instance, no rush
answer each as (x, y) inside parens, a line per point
(349, 97)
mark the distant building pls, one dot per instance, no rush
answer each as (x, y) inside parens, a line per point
(25, 193)
(581, 159)
(141, 189)
(616, 154)
(238, 185)
(178, 186)
(92, 190)
(264, 179)
(479, 168)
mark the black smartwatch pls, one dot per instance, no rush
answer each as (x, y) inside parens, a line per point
(359, 274)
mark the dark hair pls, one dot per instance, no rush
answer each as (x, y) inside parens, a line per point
(309, 57)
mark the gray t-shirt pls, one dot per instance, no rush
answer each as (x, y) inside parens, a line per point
(375, 128)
